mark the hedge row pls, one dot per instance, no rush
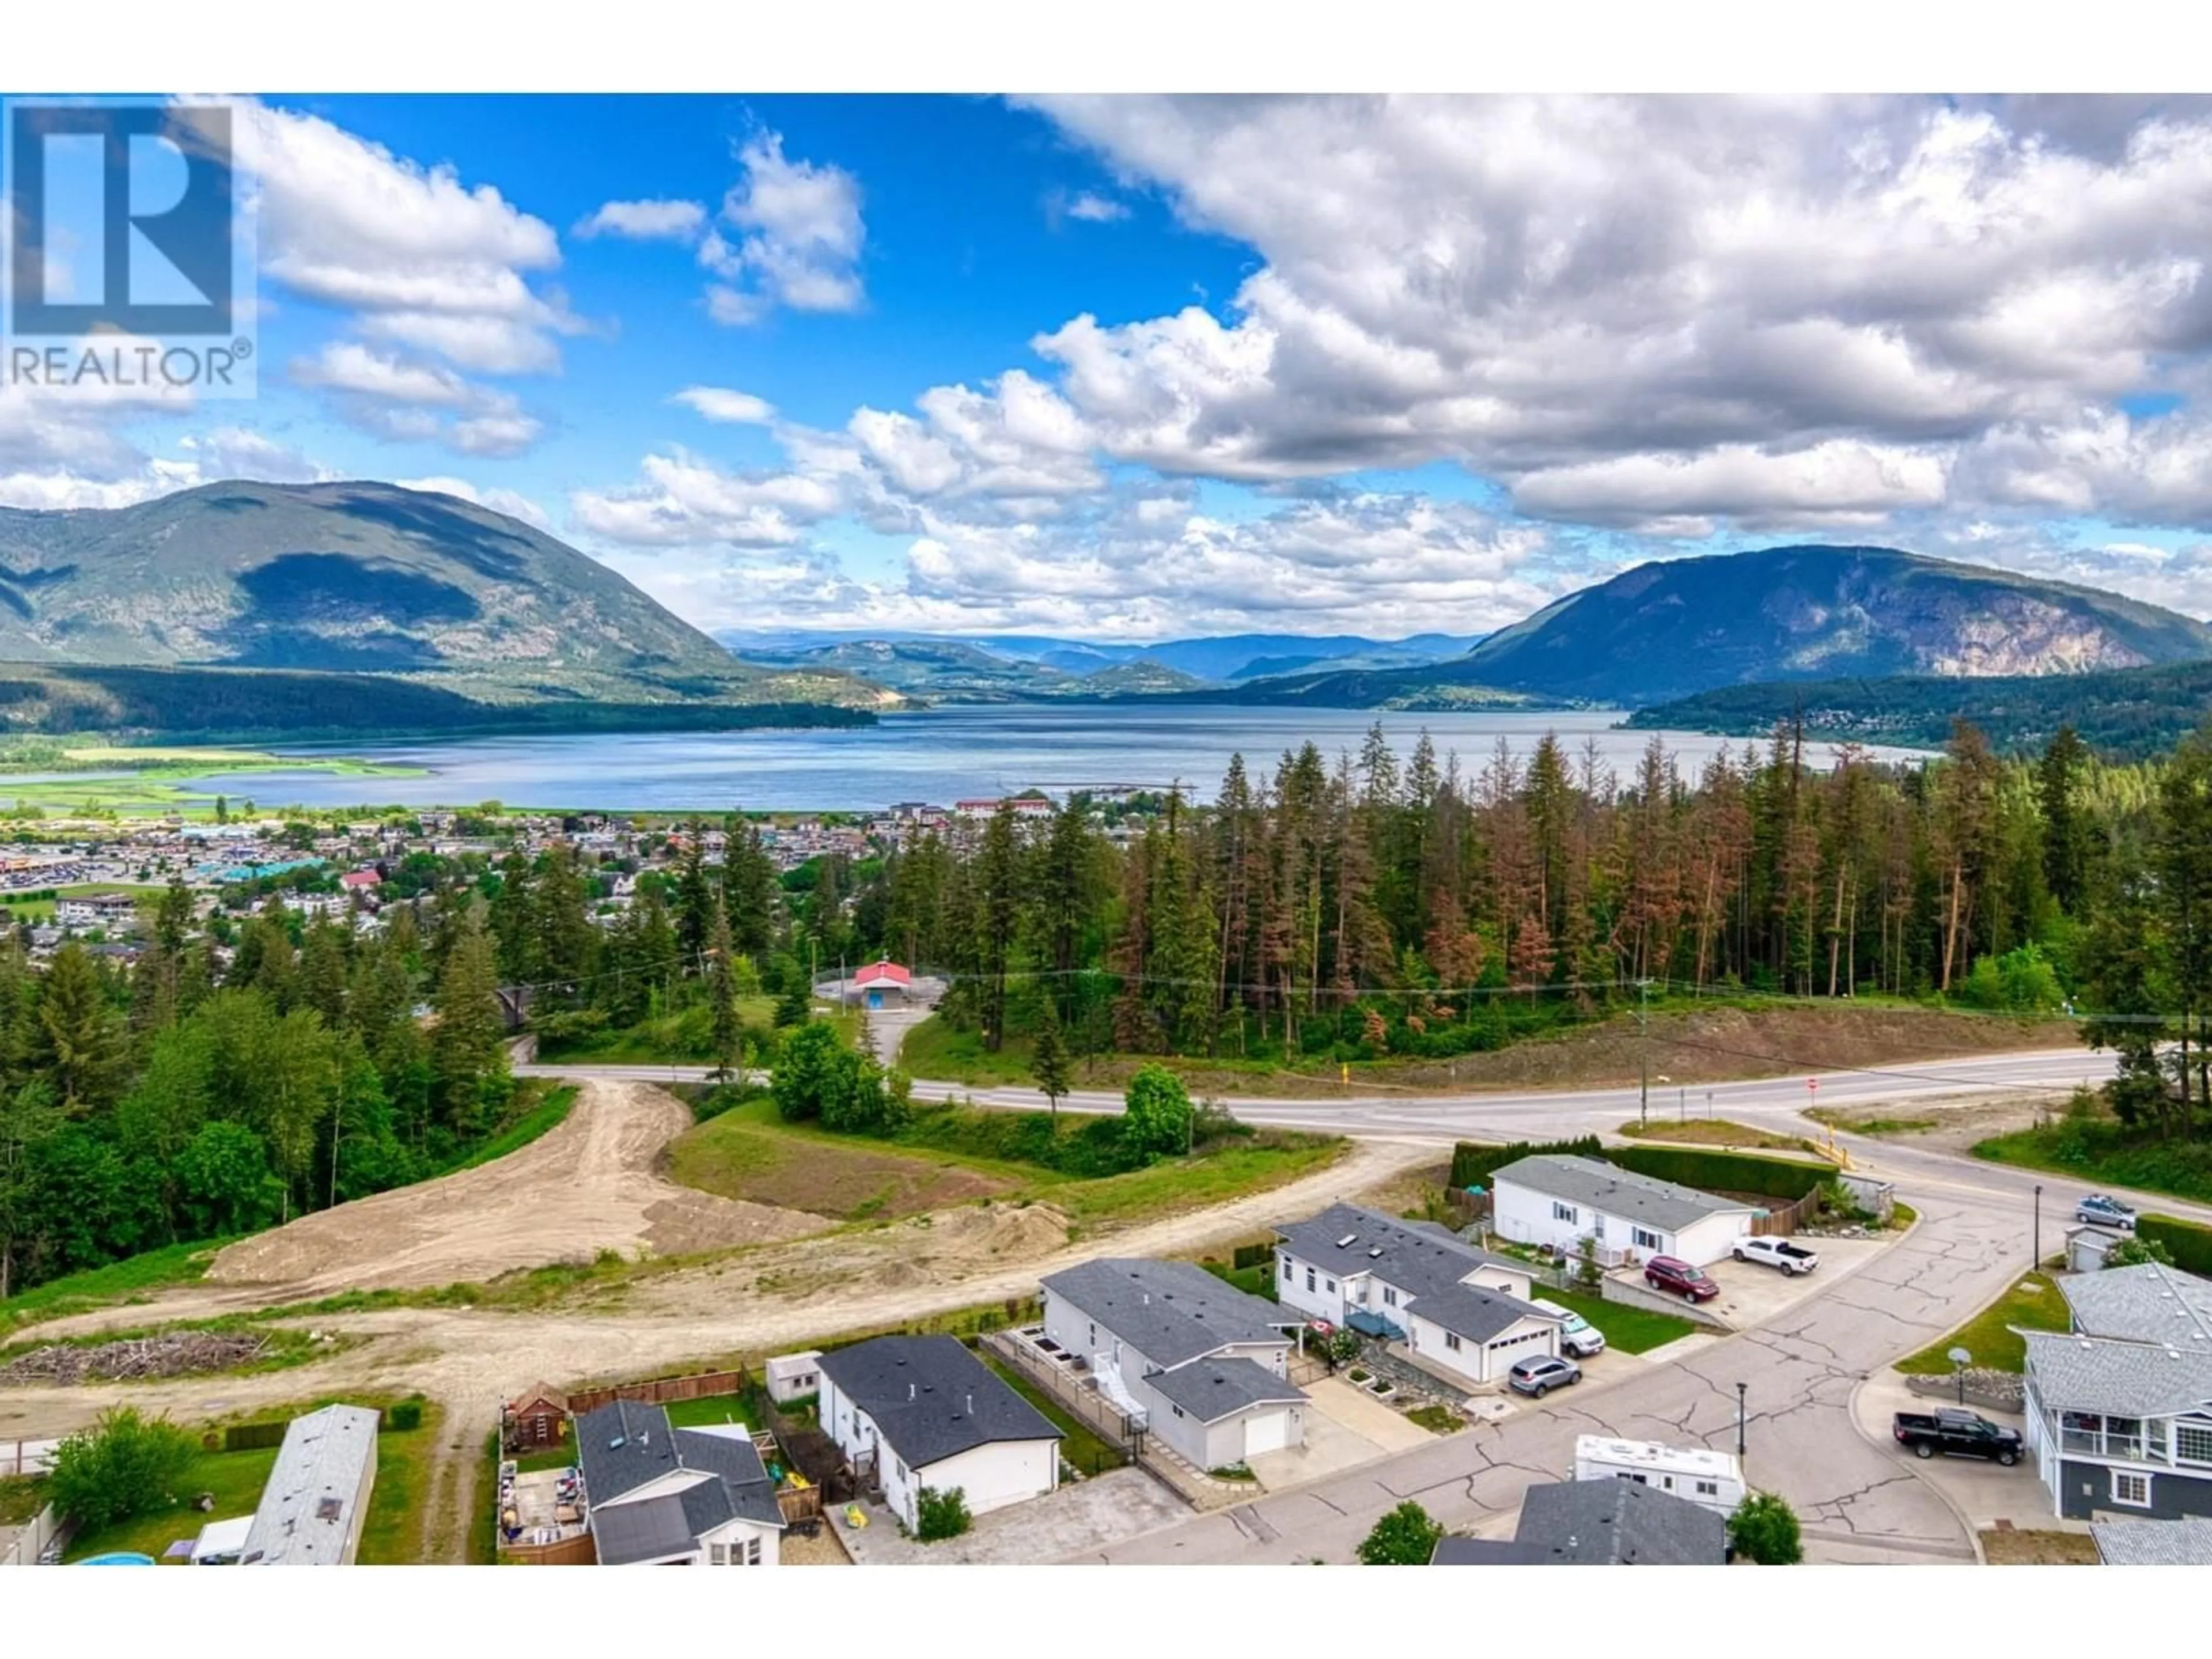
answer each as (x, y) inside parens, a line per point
(1473, 1163)
(1715, 1171)
(2189, 1243)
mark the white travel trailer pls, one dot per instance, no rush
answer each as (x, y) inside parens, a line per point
(1711, 1479)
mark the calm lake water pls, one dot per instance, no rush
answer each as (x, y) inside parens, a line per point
(939, 756)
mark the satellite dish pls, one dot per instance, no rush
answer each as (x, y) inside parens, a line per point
(1960, 1357)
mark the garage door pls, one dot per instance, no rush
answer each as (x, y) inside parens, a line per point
(1268, 1431)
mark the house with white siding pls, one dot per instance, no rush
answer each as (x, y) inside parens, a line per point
(1460, 1312)
(1560, 1201)
(910, 1412)
(1207, 1365)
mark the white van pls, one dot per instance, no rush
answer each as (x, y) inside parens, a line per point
(1576, 1334)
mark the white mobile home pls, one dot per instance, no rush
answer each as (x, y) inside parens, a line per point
(911, 1412)
(1560, 1201)
(1460, 1312)
(1207, 1364)
(1712, 1480)
(317, 1495)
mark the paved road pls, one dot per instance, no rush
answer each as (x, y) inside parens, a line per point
(1548, 1112)
(1858, 1499)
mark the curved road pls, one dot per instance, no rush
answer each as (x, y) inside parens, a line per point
(1859, 1500)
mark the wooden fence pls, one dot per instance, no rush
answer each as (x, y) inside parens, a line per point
(1781, 1219)
(580, 1551)
(661, 1390)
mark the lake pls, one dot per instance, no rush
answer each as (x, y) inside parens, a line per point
(938, 754)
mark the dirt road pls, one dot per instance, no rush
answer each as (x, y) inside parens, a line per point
(590, 1185)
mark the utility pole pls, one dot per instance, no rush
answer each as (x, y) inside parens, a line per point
(1740, 1389)
(2035, 1265)
(1644, 1045)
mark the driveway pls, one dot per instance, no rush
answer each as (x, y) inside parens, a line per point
(1082, 1518)
(1753, 1294)
(1344, 1428)
(1984, 1494)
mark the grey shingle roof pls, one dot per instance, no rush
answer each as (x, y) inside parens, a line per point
(931, 1399)
(1620, 1523)
(1659, 1204)
(738, 1483)
(1210, 1389)
(1415, 1258)
(2184, 1543)
(2123, 1379)
(1489, 1553)
(2151, 1303)
(1169, 1311)
(1475, 1314)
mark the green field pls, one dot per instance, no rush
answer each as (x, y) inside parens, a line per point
(128, 1280)
(154, 788)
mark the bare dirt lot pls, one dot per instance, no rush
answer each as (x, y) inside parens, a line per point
(590, 1185)
(2001, 1546)
(1946, 1123)
(1705, 1045)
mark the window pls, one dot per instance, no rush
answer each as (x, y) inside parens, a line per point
(2192, 1442)
(1597, 1226)
(901, 1467)
(2131, 1488)
(1310, 1278)
(1644, 1238)
(1450, 1340)
(1287, 1266)
(1332, 1285)
(1389, 1297)
(1177, 1410)
(1566, 1213)
(1709, 1489)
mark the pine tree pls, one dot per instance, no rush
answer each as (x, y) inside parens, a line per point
(76, 1041)
(468, 1047)
(1049, 1067)
(728, 1030)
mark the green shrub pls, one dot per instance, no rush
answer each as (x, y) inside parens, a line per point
(1712, 1170)
(1406, 1537)
(1253, 1255)
(1473, 1163)
(124, 1467)
(941, 1515)
(2187, 1243)
(407, 1414)
(1764, 1529)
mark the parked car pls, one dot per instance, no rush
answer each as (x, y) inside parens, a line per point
(1679, 1278)
(1955, 1433)
(1576, 1334)
(1777, 1253)
(2100, 1211)
(1540, 1376)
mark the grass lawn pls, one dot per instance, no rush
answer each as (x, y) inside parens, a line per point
(1080, 1445)
(1631, 1330)
(119, 1282)
(933, 1049)
(717, 1409)
(2033, 1304)
(1859, 1123)
(391, 1533)
(1716, 1132)
(21, 1497)
(1437, 1419)
(234, 1477)
(554, 1457)
(1258, 1281)
(2100, 1152)
(750, 1152)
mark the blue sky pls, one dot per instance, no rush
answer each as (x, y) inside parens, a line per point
(1138, 367)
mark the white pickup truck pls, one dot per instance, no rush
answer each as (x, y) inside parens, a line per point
(1777, 1253)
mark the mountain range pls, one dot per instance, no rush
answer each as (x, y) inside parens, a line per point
(359, 579)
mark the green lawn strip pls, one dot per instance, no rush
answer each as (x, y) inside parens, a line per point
(1081, 1446)
(118, 1281)
(22, 1497)
(1437, 1419)
(1235, 1169)
(546, 1115)
(392, 1533)
(1631, 1330)
(484, 1523)
(2033, 1304)
(1902, 1215)
(556, 1457)
(1717, 1132)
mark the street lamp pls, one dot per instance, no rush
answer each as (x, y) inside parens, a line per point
(1740, 1389)
(1960, 1359)
(2037, 1262)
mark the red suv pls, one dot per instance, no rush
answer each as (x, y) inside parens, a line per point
(1669, 1273)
